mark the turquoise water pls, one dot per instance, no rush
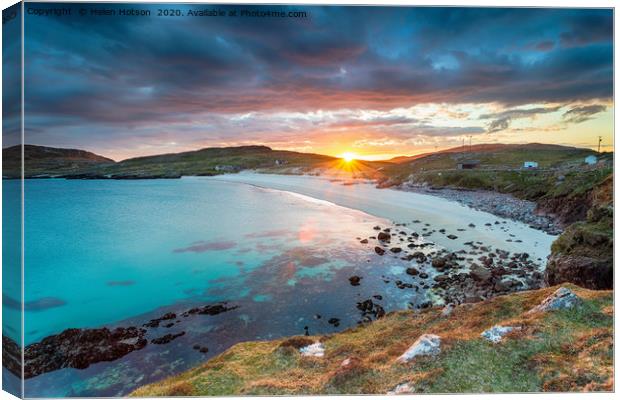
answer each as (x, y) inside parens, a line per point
(108, 253)
(101, 251)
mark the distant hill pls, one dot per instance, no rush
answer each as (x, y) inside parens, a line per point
(214, 160)
(490, 147)
(43, 161)
(48, 161)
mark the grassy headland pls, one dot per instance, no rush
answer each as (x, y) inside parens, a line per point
(566, 350)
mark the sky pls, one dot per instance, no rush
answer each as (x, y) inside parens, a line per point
(378, 82)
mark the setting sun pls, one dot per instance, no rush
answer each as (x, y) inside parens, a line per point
(348, 157)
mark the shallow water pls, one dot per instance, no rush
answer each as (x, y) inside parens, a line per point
(106, 253)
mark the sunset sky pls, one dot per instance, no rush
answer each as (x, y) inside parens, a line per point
(377, 82)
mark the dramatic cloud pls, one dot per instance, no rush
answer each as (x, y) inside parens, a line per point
(127, 86)
(582, 114)
(501, 121)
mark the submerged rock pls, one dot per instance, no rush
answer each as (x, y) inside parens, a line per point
(379, 250)
(314, 350)
(167, 338)
(426, 345)
(497, 333)
(561, 299)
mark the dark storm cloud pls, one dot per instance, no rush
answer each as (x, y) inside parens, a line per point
(136, 72)
(581, 114)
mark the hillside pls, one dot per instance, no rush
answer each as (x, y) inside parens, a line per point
(499, 148)
(564, 349)
(216, 160)
(48, 161)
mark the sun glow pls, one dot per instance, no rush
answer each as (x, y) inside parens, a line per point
(348, 156)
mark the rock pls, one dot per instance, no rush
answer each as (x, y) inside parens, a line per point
(384, 236)
(364, 241)
(334, 321)
(79, 348)
(355, 280)
(588, 272)
(441, 278)
(452, 237)
(497, 333)
(379, 251)
(167, 338)
(412, 271)
(419, 256)
(314, 350)
(403, 388)
(479, 273)
(426, 345)
(154, 323)
(501, 286)
(561, 299)
(396, 249)
(423, 275)
(439, 262)
(212, 309)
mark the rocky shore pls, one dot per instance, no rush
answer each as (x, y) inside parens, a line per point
(500, 204)
(80, 348)
(464, 276)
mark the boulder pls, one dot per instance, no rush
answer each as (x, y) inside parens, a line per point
(379, 251)
(588, 272)
(426, 345)
(561, 299)
(384, 236)
(497, 333)
(479, 273)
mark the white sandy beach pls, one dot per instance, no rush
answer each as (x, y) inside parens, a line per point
(404, 207)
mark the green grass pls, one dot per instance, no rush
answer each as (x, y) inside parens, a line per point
(562, 350)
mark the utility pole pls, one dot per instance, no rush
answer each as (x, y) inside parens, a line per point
(463, 144)
(600, 139)
(470, 143)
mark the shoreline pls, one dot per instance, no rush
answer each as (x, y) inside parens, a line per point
(451, 224)
(499, 204)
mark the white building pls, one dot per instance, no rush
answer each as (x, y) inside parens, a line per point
(530, 165)
(590, 160)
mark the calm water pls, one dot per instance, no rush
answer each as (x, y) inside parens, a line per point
(105, 253)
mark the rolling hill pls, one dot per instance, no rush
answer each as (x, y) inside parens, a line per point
(48, 161)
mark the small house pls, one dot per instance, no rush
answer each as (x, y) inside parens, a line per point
(590, 160)
(471, 164)
(530, 165)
